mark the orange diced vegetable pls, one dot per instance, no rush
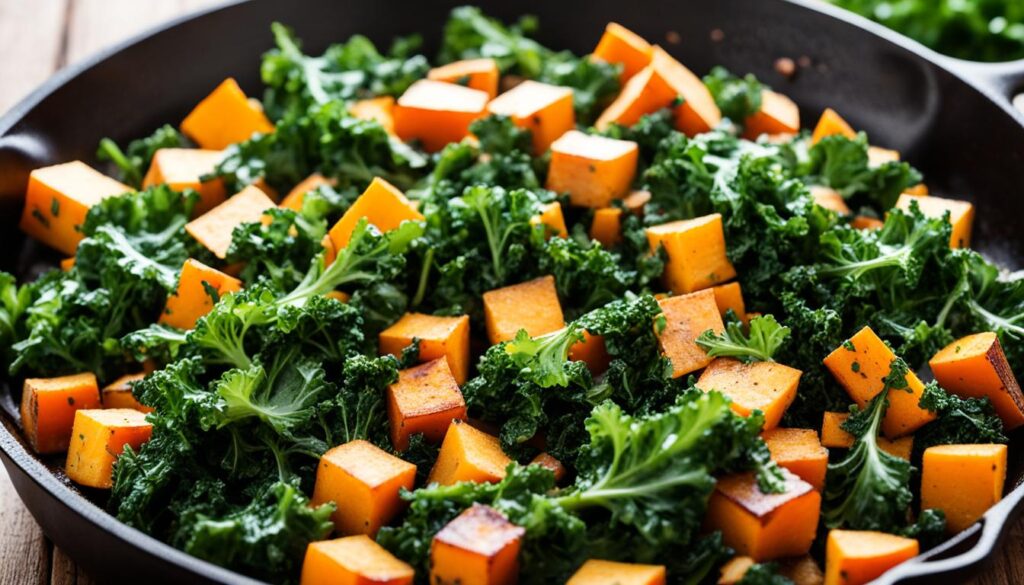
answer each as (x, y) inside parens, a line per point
(855, 557)
(829, 124)
(438, 337)
(481, 74)
(213, 229)
(592, 351)
(730, 296)
(834, 436)
(963, 481)
(606, 227)
(531, 305)
(553, 465)
(382, 204)
(878, 156)
(296, 197)
(545, 110)
(425, 399)
(364, 482)
(799, 451)
(861, 364)
(192, 299)
(920, 189)
(961, 215)
(764, 526)
(696, 253)
(436, 113)
(98, 438)
(48, 408)
(830, 199)
(975, 367)
(67, 263)
(593, 170)
(468, 455)
(353, 560)
(182, 168)
(686, 317)
(479, 547)
(766, 386)
(57, 200)
(380, 109)
(552, 219)
(118, 394)
(598, 572)
(620, 45)
(225, 117)
(863, 222)
(778, 115)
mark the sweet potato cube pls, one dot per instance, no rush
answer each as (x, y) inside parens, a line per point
(468, 455)
(545, 110)
(799, 451)
(636, 201)
(730, 297)
(855, 557)
(644, 93)
(480, 74)
(364, 481)
(48, 408)
(353, 560)
(531, 305)
(860, 365)
(766, 386)
(552, 219)
(182, 168)
(194, 297)
(593, 170)
(963, 481)
(297, 196)
(479, 547)
(834, 436)
(696, 253)
(778, 115)
(57, 200)
(380, 109)
(213, 229)
(446, 337)
(118, 394)
(606, 226)
(592, 351)
(425, 399)
(975, 367)
(829, 124)
(863, 222)
(829, 199)
(620, 45)
(961, 215)
(765, 526)
(686, 317)
(553, 465)
(382, 204)
(98, 437)
(733, 571)
(598, 572)
(878, 156)
(436, 113)
(225, 117)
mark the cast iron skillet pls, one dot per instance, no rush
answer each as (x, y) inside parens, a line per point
(950, 118)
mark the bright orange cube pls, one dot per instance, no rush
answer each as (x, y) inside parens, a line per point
(766, 386)
(480, 74)
(696, 253)
(799, 451)
(730, 297)
(446, 337)
(57, 199)
(545, 110)
(425, 399)
(225, 117)
(598, 572)
(468, 454)
(592, 351)
(436, 113)
(379, 109)
(976, 367)
(353, 560)
(686, 317)
(479, 547)
(856, 557)
(213, 229)
(833, 435)
(764, 526)
(830, 124)
(778, 115)
(620, 45)
(593, 170)
(552, 219)
(297, 196)
(963, 481)
(364, 481)
(48, 407)
(98, 437)
(118, 394)
(382, 204)
(531, 305)
(192, 299)
(961, 215)
(182, 168)
(606, 226)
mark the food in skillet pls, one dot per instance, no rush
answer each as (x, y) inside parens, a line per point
(522, 315)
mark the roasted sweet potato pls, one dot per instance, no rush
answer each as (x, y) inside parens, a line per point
(48, 408)
(963, 481)
(593, 170)
(468, 455)
(854, 557)
(225, 117)
(686, 317)
(975, 367)
(98, 437)
(696, 253)
(425, 399)
(532, 306)
(353, 560)
(545, 110)
(480, 547)
(199, 287)
(769, 387)
(446, 337)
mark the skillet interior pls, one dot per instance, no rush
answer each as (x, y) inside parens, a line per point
(965, 144)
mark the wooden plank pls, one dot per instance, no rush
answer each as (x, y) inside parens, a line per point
(30, 45)
(24, 554)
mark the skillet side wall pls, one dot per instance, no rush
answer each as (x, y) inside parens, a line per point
(966, 145)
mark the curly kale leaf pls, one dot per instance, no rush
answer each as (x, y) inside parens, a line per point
(278, 253)
(842, 163)
(760, 345)
(961, 421)
(133, 162)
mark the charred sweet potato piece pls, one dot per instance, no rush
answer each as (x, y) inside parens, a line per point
(975, 367)
(686, 317)
(599, 572)
(480, 547)
(425, 399)
(353, 560)
(766, 386)
(446, 337)
(48, 408)
(468, 455)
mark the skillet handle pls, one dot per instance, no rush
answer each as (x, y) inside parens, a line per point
(958, 558)
(1002, 81)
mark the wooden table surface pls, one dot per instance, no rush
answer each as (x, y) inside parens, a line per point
(38, 37)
